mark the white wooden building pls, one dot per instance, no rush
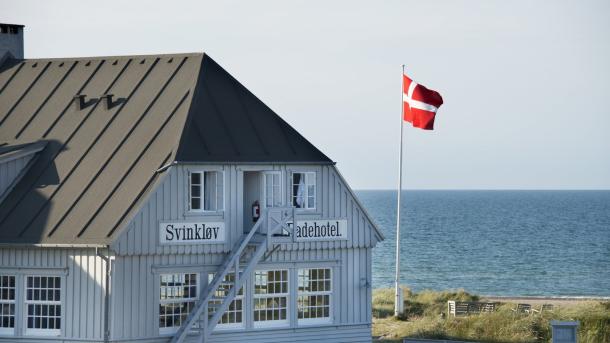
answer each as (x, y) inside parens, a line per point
(128, 192)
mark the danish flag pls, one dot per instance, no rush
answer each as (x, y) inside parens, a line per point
(419, 104)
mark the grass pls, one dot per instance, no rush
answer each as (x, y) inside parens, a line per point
(423, 318)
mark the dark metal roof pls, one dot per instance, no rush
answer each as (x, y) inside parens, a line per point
(229, 124)
(101, 154)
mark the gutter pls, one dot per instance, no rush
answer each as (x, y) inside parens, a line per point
(255, 163)
(175, 163)
(162, 169)
(106, 259)
(50, 245)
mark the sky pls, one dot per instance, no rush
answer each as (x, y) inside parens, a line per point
(525, 83)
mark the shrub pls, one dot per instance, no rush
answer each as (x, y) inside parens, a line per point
(423, 319)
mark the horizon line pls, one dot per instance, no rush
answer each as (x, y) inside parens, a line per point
(485, 189)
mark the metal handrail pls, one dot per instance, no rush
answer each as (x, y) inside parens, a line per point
(218, 277)
(286, 214)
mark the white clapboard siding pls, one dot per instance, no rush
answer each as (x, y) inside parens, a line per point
(140, 258)
(169, 202)
(135, 286)
(10, 171)
(329, 334)
(83, 275)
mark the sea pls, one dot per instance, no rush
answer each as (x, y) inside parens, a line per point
(503, 243)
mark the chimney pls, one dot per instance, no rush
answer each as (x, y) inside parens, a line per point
(11, 40)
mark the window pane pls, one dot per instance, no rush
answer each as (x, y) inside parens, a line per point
(195, 178)
(314, 287)
(311, 202)
(177, 295)
(310, 178)
(195, 203)
(195, 191)
(220, 192)
(233, 315)
(43, 298)
(209, 195)
(7, 307)
(298, 190)
(270, 295)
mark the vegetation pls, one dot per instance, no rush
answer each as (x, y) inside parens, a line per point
(425, 317)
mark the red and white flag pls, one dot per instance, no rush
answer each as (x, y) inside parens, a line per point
(420, 104)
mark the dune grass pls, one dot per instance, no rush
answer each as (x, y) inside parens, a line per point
(423, 318)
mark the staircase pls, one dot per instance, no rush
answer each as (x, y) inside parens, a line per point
(234, 272)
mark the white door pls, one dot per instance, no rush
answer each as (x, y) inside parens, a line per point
(272, 189)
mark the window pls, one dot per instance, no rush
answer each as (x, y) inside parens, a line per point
(304, 190)
(7, 304)
(270, 297)
(233, 316)
(43, 305)
(206, 191)
(179, 292)
(314, 292)
(273, 189)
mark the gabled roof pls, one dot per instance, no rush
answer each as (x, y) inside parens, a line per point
(109, 123)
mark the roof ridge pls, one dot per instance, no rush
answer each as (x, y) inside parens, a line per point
(180, 54)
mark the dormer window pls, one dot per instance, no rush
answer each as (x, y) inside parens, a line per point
(206, 191)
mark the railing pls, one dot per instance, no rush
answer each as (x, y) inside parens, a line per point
(279, 218)
(272, 220)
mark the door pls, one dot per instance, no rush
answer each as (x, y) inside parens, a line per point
(272, 189)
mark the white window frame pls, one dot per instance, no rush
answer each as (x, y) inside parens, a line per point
(239, 296)
(219, 205)
(8, 331)
(173, 329)
(60, 303)
(280, 190)
(312, 175)
(287, 294)
(328, 292)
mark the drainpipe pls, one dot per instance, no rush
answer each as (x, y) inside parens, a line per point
(106, 259)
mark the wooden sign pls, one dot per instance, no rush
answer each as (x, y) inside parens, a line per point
(192, 232)
(320, 230)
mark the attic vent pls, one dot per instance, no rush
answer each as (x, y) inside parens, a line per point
(61, 64)
(107, 98)
(79, 101)
(142, 61)
(170, 60)
(115, 62)
(88, 63)
(35, 65)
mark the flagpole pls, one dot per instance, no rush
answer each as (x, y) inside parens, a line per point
(397, 293)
